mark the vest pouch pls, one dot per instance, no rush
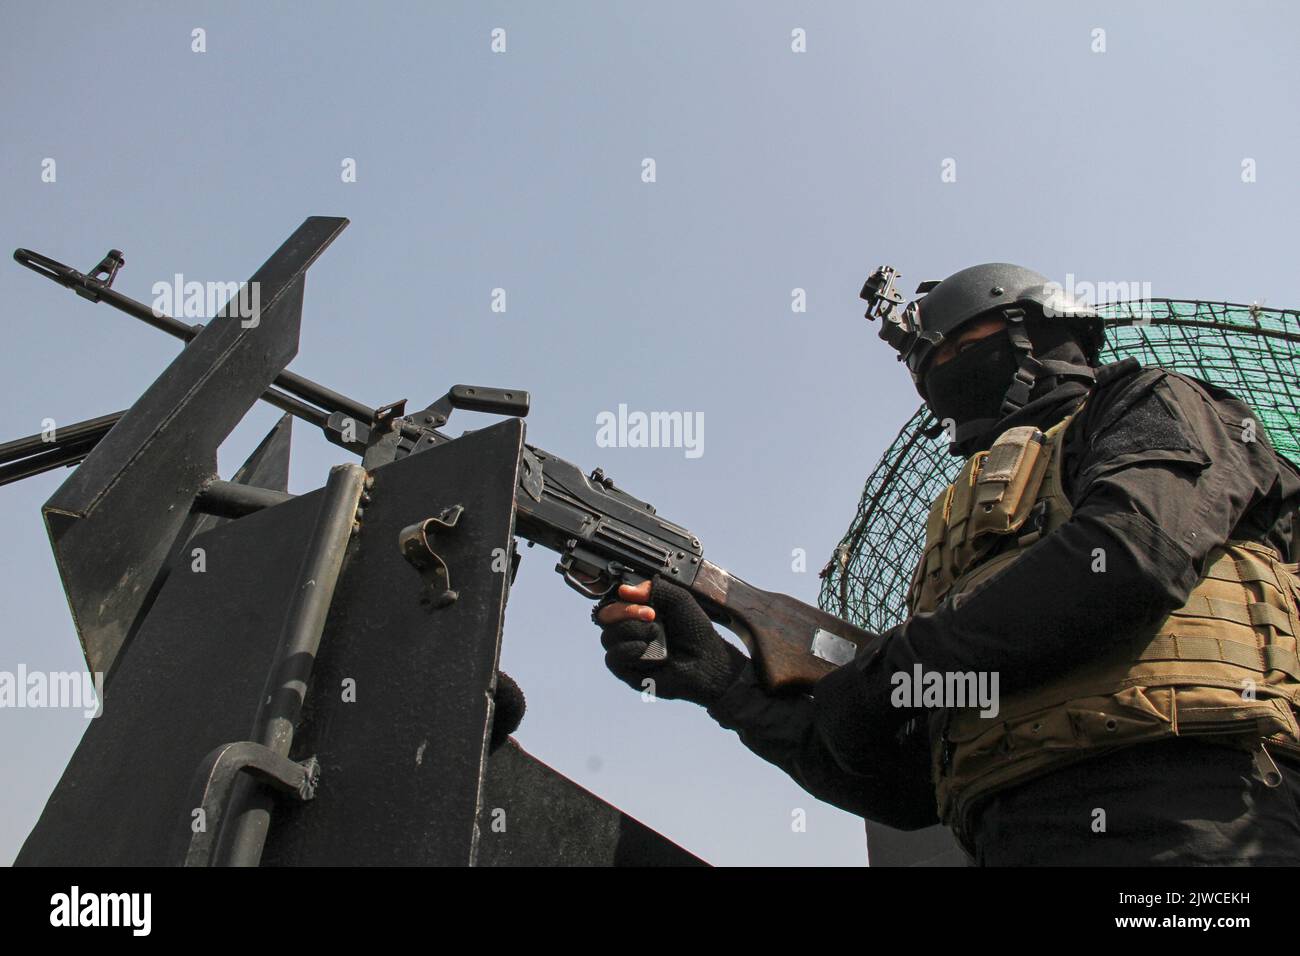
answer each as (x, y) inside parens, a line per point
(1135, 713)
(930, 568)
(1008, 482)
(1090, 722)
(979, 754)
(1049, 729)
(1216, 710)
(978, 741)
(982, 742)
(957, 533)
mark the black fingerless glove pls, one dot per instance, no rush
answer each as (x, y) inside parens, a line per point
(699, 664)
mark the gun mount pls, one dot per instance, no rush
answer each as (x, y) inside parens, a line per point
(263, 706)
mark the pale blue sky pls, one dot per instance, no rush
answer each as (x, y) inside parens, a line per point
(476, 170)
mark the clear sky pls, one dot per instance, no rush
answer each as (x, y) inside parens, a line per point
(522, 170)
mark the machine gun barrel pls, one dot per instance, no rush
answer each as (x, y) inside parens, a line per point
(70, 444)
(100, 290)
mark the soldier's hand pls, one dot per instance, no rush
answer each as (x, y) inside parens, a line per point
(658, 639)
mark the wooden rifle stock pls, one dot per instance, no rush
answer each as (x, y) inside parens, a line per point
(793, 644)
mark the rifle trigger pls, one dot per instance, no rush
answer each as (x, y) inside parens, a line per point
(593, 588)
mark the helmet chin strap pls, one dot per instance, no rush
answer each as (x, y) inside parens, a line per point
(1029, 369)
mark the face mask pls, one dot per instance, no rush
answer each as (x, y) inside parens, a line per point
(973, 383)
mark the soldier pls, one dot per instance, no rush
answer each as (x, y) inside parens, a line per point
(1115, 549)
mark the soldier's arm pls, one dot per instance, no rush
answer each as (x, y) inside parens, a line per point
(1164, 476)
(789, 731)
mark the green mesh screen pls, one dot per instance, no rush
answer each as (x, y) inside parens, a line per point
(1251, 351)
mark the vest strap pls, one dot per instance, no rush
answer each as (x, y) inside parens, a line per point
(1282, 659)
(1271, 657)
(1242, 572)
(1254, 614)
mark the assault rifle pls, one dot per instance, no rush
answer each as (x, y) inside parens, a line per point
(605, 537)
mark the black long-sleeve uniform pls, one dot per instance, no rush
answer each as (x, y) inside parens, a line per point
(1160, 469)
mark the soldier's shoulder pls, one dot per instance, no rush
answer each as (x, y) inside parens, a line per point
(1118, 387)
(1201, 400)
(1139, 410)
(1129, 383)
(1149, 413)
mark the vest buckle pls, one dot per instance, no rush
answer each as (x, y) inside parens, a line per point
(1034, 524)
(1268, 771)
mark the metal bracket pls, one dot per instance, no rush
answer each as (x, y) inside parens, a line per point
(386, 416)
(384, 435)
(102, 275)
(530, 473)
(416, 544)
(216, 780)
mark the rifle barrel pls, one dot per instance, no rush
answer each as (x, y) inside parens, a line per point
(97, 290)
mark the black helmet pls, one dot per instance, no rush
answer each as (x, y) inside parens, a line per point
(945, 306)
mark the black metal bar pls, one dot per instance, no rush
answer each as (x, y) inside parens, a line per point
(74, 434)
(267, 467)
(323, 396)
(230, 499)
(287, 403)
(33, 455)
(220, 773)
(299, 642)
(63, 456)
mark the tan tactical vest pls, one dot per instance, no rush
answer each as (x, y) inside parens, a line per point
(1223, 664)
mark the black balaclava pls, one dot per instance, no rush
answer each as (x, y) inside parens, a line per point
(971, 386)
